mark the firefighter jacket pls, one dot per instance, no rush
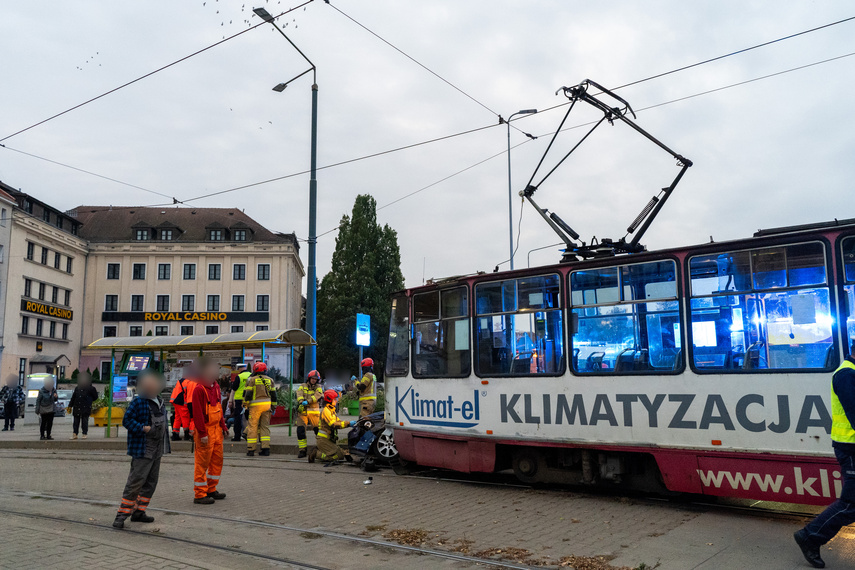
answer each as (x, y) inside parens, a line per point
(312, 394)
(330, 423)
(365, 387)
(259, 391)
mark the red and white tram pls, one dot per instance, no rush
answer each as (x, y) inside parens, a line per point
(703, 369)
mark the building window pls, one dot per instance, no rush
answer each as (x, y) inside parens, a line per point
(28, 287)
(57, 258)
(65, 331)
(28, 206)
(68, 263)
(166, 235)
(162, 303)
(237, 328)
(136, 330)
(164, 271)
(67, 298)
(215, 235)
(143, 235)
(214, 270)
(239, 272)
(237, 302)
(188, 302)
(213, 302)
(54, 295)
(113, 270)
(44, 255)
(46, 215)
(264, 272)
(39, 326)
(41, 291)
(59, 221)
(138, 271)
(189, 271)
(261, 327)
(186, 330)
(3, 215)
(22, 370)
(1, 254)
(212, 329)
(137, 303)
(110, 331)
(111, 303)
(441, 334)
(25, 325)
(161, 330)
(31, 250)
(74, 229)
(262, 303)
(239, 235)
(52, 329)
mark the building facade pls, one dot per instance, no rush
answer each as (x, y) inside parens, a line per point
(42, 284)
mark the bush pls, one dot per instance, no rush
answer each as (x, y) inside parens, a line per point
(96, 376)
(74, 374)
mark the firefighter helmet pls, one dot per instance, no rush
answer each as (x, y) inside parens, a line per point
(330, 395)
(314, 374)
(259, 368)
(367, 363)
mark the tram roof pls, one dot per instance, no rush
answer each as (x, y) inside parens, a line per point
(287, 337)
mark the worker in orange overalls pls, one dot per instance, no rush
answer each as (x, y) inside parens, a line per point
(327, 448)
(310, 397)
(180, 399)
(209, 430)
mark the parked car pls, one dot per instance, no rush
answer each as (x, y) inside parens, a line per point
(62, 403)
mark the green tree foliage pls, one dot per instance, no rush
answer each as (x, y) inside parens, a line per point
(366, 269)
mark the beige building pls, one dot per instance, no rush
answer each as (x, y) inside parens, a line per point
(42, 266)
(183, 271)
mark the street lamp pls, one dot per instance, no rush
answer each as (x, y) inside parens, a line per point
(312, 278)
(510, 190)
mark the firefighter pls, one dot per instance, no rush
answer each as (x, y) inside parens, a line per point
(309, 401)
(236, 399)
(327, 448)
(366, 388)
(258, 395)
(180, 399)
(209, 431)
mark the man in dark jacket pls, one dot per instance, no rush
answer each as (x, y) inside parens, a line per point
(12, 397)
(81, 404)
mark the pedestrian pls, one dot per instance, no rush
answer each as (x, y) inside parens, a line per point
(46, 408)
(180, 398)
(209, 429)
(257, 398)
(327, 448)
(81, 405)
(366, 388)
(841, 512)
(12, 396)
(310, 398)
(225, 383)
(236, 399)
(147, 424)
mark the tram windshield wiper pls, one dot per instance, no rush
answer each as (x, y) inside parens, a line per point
(620, 110)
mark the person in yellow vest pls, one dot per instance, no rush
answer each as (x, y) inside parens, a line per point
(327, 448)
(310, 398)
(367, 389)
(841, 512)
(236, 400)
(257, 397)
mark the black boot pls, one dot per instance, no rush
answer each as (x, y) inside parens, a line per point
(187, 436)
(176, 436)
(119, 522)
(217, 496)
(348, 458)
(302, 454)
(140, 516)
(809, 550)
(250, 453)
(265, 452)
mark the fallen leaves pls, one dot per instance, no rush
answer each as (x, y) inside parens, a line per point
(408, 537)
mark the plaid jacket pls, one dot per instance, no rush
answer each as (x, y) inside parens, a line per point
(16, 394)
(137, 416)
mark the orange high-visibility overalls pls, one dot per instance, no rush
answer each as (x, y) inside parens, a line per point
(209, 458)
(180, 399)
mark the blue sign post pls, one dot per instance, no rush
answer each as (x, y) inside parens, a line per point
(363, 335)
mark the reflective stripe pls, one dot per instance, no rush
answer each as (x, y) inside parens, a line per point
(260, 401)
(265, 439)
(301, 443)
(251, 440)
(124, 511)
(202, 484)
(215, 477)
(322, 434)
(841, 426)
(368, 398)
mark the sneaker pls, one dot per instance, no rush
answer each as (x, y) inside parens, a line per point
(250, 453)
(313, 454)
(265, 452)
(140, 516)
(73, 436)
(302, 454)
(204, 501)
(85, 436)
(809, 551)
(217, 496)
(119, 522)
(5, 429)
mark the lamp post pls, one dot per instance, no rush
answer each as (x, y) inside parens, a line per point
(312, 278)
(510, 186)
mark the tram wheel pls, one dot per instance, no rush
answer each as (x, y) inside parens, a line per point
(529, 465)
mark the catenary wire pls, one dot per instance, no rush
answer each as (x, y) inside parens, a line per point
(149, 74)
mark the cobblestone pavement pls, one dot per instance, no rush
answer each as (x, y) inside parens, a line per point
(550, 524)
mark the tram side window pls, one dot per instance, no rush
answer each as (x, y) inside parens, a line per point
(771, 313)
(398, 350)
(519, 328)
(627, 319)
(849, 275)
(441, 334)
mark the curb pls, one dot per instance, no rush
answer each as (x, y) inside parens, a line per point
(120, 445)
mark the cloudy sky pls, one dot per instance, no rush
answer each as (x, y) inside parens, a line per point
(773, 152)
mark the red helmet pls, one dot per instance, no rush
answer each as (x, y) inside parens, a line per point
(330, 395)
(367, 363)
(314, 374)
(259, 367)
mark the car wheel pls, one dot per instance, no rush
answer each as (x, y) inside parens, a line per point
(385, 445)
(528, 465)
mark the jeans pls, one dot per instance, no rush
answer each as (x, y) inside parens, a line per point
(81, 420)
(10, 411)
(841, 512)
(237, 414)
(46, 424)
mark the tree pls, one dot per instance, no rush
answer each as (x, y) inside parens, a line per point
(366, 270)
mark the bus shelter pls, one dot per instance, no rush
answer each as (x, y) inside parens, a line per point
(287, 338)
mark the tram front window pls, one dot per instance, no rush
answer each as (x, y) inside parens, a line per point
(781, 320)
(518, 327)
(849, 275)
(628, 319)
(398, 351)
(441, 334)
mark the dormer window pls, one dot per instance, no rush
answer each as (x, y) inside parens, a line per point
(240, 235)
(166, 235)
(143, 235)
(46, 215)
(216, 235)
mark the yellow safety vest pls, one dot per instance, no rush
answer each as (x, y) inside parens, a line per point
(841, 426)
(242, 386)
(367, 393)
